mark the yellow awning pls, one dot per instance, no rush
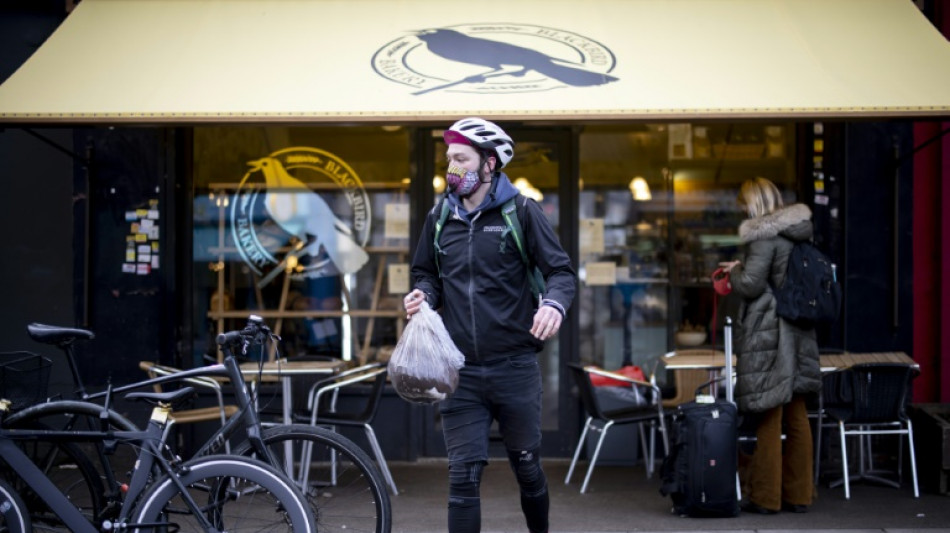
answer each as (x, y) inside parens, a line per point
(190, 61)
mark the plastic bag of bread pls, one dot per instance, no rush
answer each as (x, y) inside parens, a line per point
(424, 367)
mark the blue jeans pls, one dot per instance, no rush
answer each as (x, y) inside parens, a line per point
(507, 390)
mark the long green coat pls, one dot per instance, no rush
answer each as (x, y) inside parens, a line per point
(775, 357)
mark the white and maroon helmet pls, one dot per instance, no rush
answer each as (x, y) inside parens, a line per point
(484, 135)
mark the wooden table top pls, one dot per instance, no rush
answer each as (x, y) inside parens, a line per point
(281, 367)
(696, 359)
(840, 361)
(711, 359)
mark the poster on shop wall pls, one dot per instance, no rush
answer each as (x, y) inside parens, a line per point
(141, 250)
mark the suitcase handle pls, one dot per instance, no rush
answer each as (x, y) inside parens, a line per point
(708, 385)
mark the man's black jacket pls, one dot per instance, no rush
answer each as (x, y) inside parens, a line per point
(484, 293)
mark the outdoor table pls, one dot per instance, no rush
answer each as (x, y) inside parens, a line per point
(841, 361)
(829, 362)
(714, 361)
(284, 370)
(699, 359)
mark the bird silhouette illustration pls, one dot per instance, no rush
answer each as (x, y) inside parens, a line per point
(304, 214)
(456, 46)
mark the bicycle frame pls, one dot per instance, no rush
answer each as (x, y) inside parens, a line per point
(247, 416)
(13, 456)
(255, 330)
(150, 455)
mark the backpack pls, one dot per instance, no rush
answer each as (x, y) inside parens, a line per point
(811, 293)
(509, 212)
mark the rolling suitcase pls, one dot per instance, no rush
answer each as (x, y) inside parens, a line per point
(699, 474)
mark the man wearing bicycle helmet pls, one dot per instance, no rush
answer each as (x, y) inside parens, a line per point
(473, 270)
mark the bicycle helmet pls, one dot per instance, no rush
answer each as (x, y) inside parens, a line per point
(482, 134)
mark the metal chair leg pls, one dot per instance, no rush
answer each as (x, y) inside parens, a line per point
(577, 451)
(900, 460)
(913, 458)
(647, 452)
(593, 460)
(371, 436)
(844, 462)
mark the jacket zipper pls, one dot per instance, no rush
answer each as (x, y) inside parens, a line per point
(471, 283)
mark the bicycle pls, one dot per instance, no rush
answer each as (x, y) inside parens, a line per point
(11, 510)
(340, 482)
(210, 494)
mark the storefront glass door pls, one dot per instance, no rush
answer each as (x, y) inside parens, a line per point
(624, 203)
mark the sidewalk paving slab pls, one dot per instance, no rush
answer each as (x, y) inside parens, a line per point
(620, 499)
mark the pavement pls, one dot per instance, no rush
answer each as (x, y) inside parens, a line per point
(622, 499)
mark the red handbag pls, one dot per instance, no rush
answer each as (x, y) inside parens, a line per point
(720, 281)
(721, 286)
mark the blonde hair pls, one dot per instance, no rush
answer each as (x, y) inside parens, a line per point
(759, 197)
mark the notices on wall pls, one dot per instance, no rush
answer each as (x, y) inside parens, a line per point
(397, 221)
(601, 273)
(591, 236)
(398, 278)
(141, 243)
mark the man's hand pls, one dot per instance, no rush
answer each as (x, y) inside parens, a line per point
(547, 320)
(412, 302)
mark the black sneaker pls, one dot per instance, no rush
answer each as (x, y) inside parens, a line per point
(794, 508)
(754, 508)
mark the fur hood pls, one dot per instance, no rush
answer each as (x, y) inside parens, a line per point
(793, 222)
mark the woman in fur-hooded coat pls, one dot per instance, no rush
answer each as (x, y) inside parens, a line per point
(777, 360)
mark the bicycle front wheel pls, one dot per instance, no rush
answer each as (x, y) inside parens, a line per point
(14, 517)
(340, 482)
(234, 494)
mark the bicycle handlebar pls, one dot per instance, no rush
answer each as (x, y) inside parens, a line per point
(254, 332)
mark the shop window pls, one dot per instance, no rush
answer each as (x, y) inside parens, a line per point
(307, 227)
(657, 214)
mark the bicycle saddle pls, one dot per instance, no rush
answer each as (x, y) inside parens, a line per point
(172, 398)
(57, 335)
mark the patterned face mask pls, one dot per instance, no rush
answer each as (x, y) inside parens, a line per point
(463, 182)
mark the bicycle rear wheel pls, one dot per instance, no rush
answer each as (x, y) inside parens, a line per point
(14, 517)
(236, 494)
(341, 483)
(69, 469)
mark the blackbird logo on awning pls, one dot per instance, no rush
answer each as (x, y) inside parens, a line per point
(301, 211)
(495, 58)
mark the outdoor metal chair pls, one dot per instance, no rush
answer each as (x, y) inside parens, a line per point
(649, 412)
(878, 398)
(323, 408)
(220, 413)
(834, 394)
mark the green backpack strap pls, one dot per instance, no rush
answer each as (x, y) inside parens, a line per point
(439, 224)
(509, 211)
